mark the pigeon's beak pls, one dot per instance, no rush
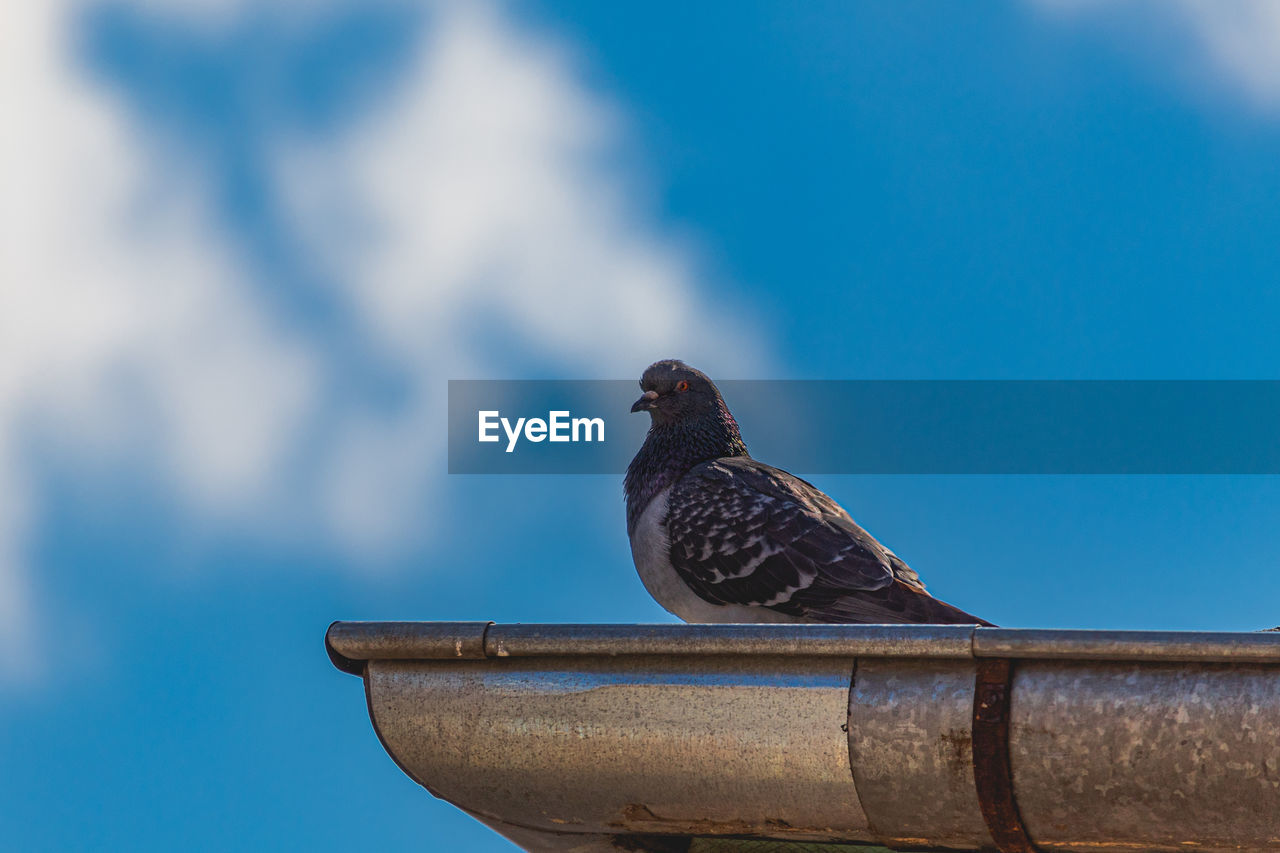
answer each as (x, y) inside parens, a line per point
(645, 403)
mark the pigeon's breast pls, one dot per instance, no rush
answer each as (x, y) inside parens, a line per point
(651, 551)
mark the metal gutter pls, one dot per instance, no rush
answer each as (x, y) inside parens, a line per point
(659, 737)
(360, 641)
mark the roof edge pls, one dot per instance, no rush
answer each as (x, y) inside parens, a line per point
(351, 644)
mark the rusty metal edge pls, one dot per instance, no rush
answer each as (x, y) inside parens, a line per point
(992, 770)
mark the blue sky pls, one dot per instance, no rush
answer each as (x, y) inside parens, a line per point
(251, 244)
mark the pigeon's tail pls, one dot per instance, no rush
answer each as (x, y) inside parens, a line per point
(939, 612)
(898, 602)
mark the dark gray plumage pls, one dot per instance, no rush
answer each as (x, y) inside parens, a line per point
(720, 537)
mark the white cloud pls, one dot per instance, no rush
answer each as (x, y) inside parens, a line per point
(488, 201)
(1237, 41)
(123, 319)
(478, 205)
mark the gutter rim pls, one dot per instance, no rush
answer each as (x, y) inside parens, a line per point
(351, 644)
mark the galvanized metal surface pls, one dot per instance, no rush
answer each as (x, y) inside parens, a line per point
(911, 752)
(588, 737)
(1126, 756)
(730, 745)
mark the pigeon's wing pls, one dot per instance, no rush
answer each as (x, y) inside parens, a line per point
(742, 532)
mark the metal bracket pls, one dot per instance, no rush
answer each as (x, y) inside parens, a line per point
(991, 770)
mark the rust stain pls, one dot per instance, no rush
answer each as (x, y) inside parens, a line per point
(957, 747)
(637, 811)
(1131, 845)
(639, 816)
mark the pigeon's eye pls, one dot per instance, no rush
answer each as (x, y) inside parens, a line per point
(682, 385)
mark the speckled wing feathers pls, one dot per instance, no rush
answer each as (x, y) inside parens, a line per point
(742, 532)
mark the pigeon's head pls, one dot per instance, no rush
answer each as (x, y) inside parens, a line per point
(674, 391)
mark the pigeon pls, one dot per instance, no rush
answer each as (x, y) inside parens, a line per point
(717, 536)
